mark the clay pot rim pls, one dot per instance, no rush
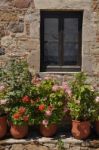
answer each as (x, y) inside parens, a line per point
(80, 121)
(51, 124)
(97, 121)
(12, 124)
(3, 117)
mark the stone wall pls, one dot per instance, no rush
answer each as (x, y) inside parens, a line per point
(20, 31)
(49, 144)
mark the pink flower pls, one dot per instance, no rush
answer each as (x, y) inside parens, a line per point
(36, 81)
(48, 113)
(69, 92)
(45, 122)
(2, 88)
(97, 99)
(55, 88)
(47, 78)
(66, 88)
(66, 110)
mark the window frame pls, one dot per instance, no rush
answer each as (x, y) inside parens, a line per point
(61, 15)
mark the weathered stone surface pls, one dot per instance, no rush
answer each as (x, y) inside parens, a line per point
(49, 144)
(36, 147)
(2, 32)
(21, 3)
(16, 27)
(4, 3)
(17, 147)
(8, 16)
(8, 41)
(28, 44)
(33, 60)
(62, 4)
(20, 31)
(32, 24)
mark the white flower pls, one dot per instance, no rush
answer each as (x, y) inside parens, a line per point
(47, 78)
(55, 88)
(45, 122)
(48, 113)
(2, 88)
(97, 99)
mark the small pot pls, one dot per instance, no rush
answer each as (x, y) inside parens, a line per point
(48, 131)
(19, 132)
(81, 129)
(3, 126)
(97, 127)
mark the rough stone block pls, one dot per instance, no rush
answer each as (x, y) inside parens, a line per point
(28, 44)
(22, 3)
(8, 16)
(16, 27)
(8, 42)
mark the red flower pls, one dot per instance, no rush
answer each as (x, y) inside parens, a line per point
(22, 110)
(41, 107)
(26, 118)
(16, 116)
(26, 99)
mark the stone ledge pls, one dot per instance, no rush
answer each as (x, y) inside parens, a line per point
(69, 142)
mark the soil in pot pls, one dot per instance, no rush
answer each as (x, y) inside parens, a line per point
(97, 127)
(81, 130)
(19, 132)
(3, 126)
(48, 131)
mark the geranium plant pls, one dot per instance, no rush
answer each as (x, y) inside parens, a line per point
(81, 103)
(20, 115)
(50, 105)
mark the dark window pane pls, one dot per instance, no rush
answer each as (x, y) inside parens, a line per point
(71, 41)
(71, 30)
(51, 41)
(70, 53)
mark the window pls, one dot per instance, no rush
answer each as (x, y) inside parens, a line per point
(61, 34)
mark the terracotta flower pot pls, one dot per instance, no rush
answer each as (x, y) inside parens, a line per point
(97, 127)
(3, 126)
(19, 132)
(81, 129)
(48, 131)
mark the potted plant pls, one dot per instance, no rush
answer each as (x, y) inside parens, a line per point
(3, 122)
(19, 117)
(49, 106)
(81, 105)
(96, 114)
(3, 116)
(17, 79)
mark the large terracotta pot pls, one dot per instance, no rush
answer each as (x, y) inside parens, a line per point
(3, 126)
(97, 127)
(48, 131)
(19, 132)
(81, 129)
